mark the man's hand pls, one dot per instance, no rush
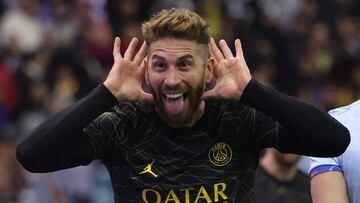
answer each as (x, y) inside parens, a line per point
(231, 73)
(127, 73)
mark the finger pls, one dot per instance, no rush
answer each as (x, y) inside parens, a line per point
(141, 70)
(129, 54)
(144, 96)
(238, 48)
(216, 51)
(139, 57)
(209, 94)
(225, 49)
(116, 49)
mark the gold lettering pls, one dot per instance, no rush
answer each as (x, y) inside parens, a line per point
(187, 194)
(173, 197)
(144, 196)
(220, 192)
(202, 194)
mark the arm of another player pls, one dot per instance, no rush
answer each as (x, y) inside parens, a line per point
(329, 187)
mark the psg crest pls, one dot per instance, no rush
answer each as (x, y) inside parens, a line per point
(220, 154)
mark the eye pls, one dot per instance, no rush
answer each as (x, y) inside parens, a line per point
(159, 65)
(185, 64)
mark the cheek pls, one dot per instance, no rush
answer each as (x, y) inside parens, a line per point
(196, 78)
(154, 80)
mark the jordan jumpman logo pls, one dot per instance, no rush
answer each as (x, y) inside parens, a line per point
(147, 169)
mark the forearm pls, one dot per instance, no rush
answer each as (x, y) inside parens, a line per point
(59, 142)
(306, 130)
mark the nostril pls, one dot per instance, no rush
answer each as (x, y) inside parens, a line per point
(171, 81)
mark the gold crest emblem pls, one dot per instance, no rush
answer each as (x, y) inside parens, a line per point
(220, 154)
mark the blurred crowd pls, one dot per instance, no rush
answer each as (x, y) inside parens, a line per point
(52, 52)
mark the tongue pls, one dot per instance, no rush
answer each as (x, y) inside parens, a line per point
(174, 106)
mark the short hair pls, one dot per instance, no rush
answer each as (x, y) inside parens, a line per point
(177, 23)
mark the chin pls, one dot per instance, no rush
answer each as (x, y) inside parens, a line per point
(179, 120)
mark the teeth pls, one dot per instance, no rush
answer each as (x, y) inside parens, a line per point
(174, 96)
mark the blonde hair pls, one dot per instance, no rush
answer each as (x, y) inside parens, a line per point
(177, 23)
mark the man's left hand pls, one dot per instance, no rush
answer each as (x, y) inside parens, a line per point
(231, 73)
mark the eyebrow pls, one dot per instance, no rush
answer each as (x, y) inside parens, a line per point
(155, 56)
(186, 57)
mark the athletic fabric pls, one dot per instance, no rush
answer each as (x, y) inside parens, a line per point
(148, 161)
(349, 162)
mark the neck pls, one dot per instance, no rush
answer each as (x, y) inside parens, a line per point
(281, 172)
(188, 123)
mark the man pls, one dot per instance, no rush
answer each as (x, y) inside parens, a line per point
(337, 179)
(188, 145)
(279, 180)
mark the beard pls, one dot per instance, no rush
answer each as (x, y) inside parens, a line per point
(192, 101)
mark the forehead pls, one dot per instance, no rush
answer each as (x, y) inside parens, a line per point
(172, 48)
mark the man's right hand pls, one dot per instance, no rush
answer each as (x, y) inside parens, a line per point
(127, 73)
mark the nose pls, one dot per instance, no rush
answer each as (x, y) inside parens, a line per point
(172, 78)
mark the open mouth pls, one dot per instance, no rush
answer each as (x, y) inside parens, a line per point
(175, 96)
(174, 103)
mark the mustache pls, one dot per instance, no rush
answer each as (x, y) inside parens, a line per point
(174, 89)
(179, 88)
(193, 93)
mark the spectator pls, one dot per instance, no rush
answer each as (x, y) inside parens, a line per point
(279, 180)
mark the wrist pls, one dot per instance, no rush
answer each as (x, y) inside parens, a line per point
(242, 87)
(112, 90)
(250, 92)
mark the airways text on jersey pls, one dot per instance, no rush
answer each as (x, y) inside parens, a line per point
(187, 195)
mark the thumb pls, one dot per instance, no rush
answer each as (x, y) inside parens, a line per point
(210, 94)
(146, 97)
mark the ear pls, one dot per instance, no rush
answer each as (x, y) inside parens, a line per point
(209, 72)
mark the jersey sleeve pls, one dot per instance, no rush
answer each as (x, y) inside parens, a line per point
(59, 142)
(266, 130)
(292, 126)
(323, 165)
(109, 130)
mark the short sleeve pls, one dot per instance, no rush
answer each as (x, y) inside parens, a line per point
(323, 165)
